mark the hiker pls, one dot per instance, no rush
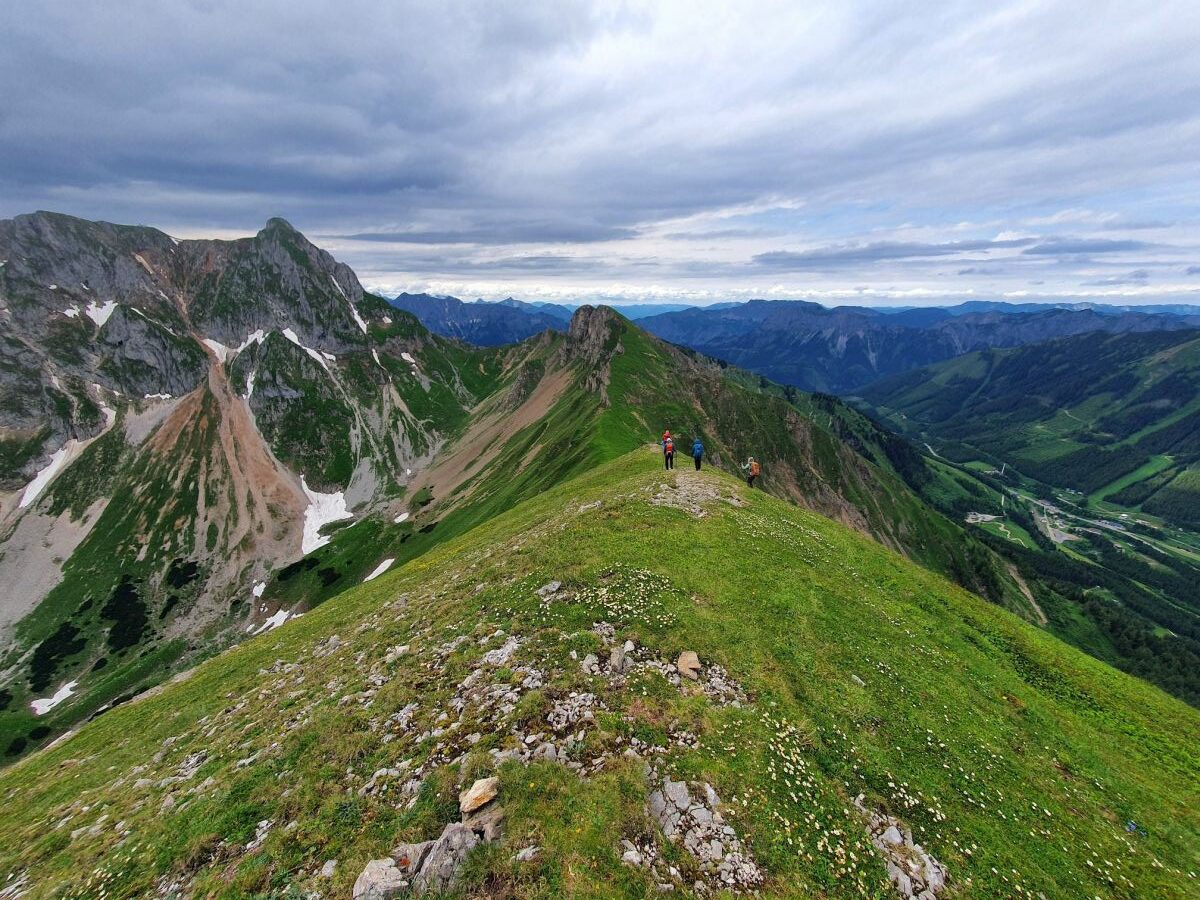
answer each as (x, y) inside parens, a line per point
(668, 445)
(752, 470)
(697, 452)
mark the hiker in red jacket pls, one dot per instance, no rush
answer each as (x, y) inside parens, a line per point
(668, 445)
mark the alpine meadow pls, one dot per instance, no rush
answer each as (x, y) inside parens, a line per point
(599, 450)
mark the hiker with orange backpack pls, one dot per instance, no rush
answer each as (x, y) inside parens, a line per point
(752, 470)
(668, 445)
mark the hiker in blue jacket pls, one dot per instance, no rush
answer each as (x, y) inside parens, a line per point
(697, 452)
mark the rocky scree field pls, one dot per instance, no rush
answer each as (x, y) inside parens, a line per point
(676, 683)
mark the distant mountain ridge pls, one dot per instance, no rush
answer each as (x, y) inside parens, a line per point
(839, 350)
(508, 321)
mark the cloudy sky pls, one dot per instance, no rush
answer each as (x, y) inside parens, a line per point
(862, 152)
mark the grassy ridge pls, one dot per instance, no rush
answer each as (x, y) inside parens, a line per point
(1016, 759)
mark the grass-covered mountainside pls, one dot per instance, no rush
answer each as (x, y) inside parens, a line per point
(1114, 417)
(204, 438)
(829, 669)
(1077, 459)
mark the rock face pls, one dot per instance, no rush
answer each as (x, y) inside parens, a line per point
(380, 880)
(428, 866)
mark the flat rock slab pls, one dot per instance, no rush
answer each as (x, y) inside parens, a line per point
(689, 665)
(482, 791)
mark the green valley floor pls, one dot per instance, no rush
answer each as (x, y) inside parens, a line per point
(839, 690)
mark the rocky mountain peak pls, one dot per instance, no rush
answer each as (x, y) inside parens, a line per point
(595, 326)
(277, 226)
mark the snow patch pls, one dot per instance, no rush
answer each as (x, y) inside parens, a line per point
(250, 384)
(258, 589)
(407, 357)
(255, 337)
(43, 706)
(54, 287)
(375, 354)
(157, 397)
(275, 621)
(72, 313)
(329, 356)
(292, 336)
(387, 320)
(57, 462)
(403, 517)
(322, 509)
(221, 351)
(380, 569)
(353, 311)
(99, 312)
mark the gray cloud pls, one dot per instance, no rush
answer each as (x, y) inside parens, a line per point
(1076, 246)
(1192, 270)
(521, 138)
(860, 254)
(1137, 276)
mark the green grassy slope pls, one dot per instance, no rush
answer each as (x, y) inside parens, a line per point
(1104, 428)
(1016, 760)
(1114, 416)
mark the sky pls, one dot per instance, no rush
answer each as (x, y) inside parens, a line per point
(878, 153)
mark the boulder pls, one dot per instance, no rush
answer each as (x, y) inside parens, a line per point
(488, 821)
(380, 880)
(445, 857)
(410, 857)
(482, 791)
(616, 660)
(689, 665)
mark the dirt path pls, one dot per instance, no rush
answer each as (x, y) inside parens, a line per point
(1037, 609)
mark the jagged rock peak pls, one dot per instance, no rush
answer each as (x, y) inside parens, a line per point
(590, 323)
(277, 226)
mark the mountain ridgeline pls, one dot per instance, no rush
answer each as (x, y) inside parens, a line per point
(840, 350)
(203, 439)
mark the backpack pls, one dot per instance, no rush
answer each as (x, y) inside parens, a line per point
(697, 449)
(668, 446)
(755, 468)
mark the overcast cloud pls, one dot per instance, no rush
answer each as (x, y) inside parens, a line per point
(881, 152)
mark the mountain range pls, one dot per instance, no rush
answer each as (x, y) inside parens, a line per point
(303, 598)
(840, 350)
(810, 346)
(203, 439)
(507, 321)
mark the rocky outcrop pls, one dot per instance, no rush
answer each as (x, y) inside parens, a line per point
(433, 866)
(593, 339)
(912, 869)
(696, 823)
